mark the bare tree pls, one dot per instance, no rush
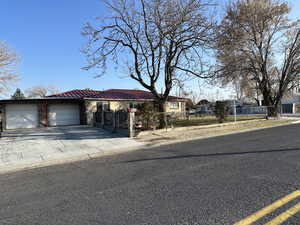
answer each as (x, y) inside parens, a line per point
(41, 91)
(162, 40)
(258, 41)
(245, 90)
(8, 60)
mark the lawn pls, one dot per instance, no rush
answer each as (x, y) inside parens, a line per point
(208, 120)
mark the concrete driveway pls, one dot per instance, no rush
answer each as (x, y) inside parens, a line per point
(45, 146)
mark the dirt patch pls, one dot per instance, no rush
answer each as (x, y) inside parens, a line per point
(162, 136)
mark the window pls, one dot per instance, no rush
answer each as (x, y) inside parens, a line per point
(103, 106)
(174, 105)
(134, 105)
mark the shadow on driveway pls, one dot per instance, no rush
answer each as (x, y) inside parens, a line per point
(60, 133)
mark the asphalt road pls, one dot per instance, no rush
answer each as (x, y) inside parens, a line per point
(214, 181)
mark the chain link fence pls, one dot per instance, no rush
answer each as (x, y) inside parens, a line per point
(131, 123)
(166, 120)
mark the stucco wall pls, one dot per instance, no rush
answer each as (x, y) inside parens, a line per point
(119, 105)
(122, 105)
(181, 107)
(90, 108)
(91, 105)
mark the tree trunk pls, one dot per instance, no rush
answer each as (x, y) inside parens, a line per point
(162, 113)
(257, 101)
(272, 107)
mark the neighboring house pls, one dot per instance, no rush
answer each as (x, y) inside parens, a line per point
(204, 107)
(291, 103)
(75, 107)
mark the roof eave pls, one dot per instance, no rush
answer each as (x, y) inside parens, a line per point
(131, 99)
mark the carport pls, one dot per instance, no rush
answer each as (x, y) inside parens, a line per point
(35, 113)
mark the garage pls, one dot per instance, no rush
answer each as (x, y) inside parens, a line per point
(21, 116)
(63, 114)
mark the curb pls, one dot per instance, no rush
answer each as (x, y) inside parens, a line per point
(91, 156)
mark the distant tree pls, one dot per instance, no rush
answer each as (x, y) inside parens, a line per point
(162, 40)
(221, 110)
(189, 104)
(245, 90)
(41, 91)
(18, 94)
(258, 41)
(203, 102)
(8, 60)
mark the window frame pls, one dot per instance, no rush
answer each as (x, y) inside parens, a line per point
(134, 105)
(171, 105)
(102, 106)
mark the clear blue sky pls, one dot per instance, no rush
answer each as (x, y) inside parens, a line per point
(46, 34)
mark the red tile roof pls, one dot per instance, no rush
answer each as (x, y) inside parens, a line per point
(111, 94)
(77, 93)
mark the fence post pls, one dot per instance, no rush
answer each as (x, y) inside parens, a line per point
(131, 124)
(117, 120)
(234, 110)
(114, 130)
(102, 119)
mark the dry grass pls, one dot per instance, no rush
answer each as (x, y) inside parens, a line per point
(209, 120)
(209, 132)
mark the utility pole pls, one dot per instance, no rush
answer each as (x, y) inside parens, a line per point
(234, 111)
(1, 124)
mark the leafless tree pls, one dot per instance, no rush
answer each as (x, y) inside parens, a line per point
(244, 90)
(258, 41)
(160, 39)
(41, 91)
(8, 60)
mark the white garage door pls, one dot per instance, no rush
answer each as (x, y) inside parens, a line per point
(64, 115)
(21, 116)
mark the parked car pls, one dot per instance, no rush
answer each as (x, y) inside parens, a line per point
(192, 112)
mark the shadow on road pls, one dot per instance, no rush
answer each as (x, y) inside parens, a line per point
(214, 154)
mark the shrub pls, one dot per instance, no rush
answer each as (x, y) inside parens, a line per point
(147, 114)
(221, 111)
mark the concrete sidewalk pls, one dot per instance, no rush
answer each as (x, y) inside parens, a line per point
(30, 148)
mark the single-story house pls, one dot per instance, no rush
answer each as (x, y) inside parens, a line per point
(291, 104)
(75, 107)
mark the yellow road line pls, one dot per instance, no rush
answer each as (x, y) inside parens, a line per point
(268, 209)
(285, 215)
